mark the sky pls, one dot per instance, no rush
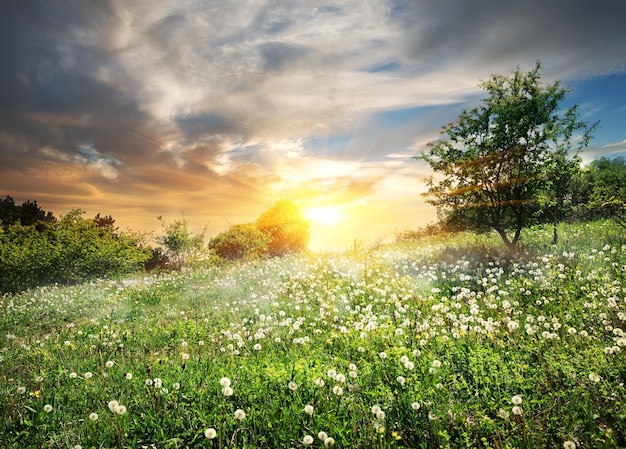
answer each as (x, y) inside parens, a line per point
(213, 110)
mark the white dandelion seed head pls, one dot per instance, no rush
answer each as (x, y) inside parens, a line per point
(121, 409)
(93, 416)
(516, 400)
(113, 405)
(225, 382)
(21, 390)
(569, 445)
(319, 382)
(292, 385)
(415, 405)
(308, 409)
(88, 375)
(322, 435)
(210, 433)
(308, 440)
(328, 442)
(47, 408)
(517, 410)
(109, 363)
(227, 391)
(240, 414)
(337, 390)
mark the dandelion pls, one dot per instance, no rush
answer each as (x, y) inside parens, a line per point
(128, 376)
(88, 375)
(401, 380)
(93, 416)
(308, 440)
(352, 367)
(38, 379)
(337, 390)
(225, 382)
(109, 363)
(415, 405)
(292, 385)
(185, 356)
(594, 377)
(331, 373)
(382, 355)
(121, 409)
(517, 410)
(516, 400)
(436, 364)
(113, 405)
(47, 408)
(353, 374)
(569, 445)
(158, 382)
(502, 413)
(176, 386)
(210, 433)
(340, 378)
(328, 442)
(319, 382)
(308, 409)
(149, 382)
(409, 365)
(21, 390)
(322, 435)
(380, 415)
(227, 391)
(240, 414)
(375, 409)
(73, 375)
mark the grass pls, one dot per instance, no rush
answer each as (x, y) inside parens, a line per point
(440, 342)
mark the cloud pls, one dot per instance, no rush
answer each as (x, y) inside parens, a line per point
(224, 106)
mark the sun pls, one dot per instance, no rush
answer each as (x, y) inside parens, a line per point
(327, 215)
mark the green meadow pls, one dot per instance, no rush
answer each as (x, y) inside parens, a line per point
(437, 342)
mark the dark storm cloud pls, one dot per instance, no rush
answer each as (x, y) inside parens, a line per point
(564, 33)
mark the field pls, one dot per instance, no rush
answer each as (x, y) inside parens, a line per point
(440, 342)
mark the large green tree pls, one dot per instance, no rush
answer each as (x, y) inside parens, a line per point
(500, 165)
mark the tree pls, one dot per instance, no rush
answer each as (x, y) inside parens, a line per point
(180, 246)
(285, 224)
(601, 190)
(498, 165)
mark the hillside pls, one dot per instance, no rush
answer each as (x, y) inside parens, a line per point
(437, 342)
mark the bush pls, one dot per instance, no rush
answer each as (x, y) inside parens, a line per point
(71, 250)
(284, 222)
(240, 241)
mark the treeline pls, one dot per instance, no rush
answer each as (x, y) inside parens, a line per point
(36, 248)
(596, 191)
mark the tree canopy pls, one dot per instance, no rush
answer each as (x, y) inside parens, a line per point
(501, 164)
(285, 224)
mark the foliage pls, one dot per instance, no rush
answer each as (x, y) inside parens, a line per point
(438, 342)
(28, 213)
(180, 246)
(240, 241)
(70, 250)
(502, 163)
(285, 224)
(601, 190)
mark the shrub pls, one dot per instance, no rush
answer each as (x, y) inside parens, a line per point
(240, 241)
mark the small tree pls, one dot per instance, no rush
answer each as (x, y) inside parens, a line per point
(498, 166)
(285, 224)
(180, 246)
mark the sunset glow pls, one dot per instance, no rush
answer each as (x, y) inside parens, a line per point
(326, 215)
(219, 109)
